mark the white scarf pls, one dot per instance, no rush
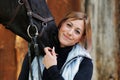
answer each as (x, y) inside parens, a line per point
(71, 66)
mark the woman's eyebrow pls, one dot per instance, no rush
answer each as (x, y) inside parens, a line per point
(74, 25)
(78, 29)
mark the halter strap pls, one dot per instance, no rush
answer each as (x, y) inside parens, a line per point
(32, 14)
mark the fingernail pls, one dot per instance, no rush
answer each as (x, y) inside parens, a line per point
(53, 49)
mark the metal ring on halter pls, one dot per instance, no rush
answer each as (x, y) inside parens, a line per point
(20, 2)
(44, 24)
(28, 30)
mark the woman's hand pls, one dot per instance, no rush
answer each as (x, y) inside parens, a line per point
(50, 57)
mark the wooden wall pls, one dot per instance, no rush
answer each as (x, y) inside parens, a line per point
(7, 55)
(117, 24)
(12, 51)
(106, 39)
(61, 7)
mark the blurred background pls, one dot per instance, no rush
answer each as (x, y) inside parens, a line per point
(105, 21)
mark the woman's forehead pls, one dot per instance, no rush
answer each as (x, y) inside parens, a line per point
(76, 23)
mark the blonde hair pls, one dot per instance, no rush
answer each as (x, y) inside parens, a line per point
(86, 39)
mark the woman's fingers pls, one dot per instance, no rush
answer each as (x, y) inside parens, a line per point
(50, 57)
(47, 50)
(53, 51)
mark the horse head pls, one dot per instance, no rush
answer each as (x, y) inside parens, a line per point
(14, 15)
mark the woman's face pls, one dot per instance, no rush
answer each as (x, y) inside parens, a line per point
(70, 32)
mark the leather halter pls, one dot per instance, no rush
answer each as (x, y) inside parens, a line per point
(29, 13)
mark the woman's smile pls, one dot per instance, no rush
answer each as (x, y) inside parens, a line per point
(66, 37)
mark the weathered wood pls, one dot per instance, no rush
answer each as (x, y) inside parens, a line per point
(105, 39)
(12, 51)
(61, 7)
(21, 47)
(7, 55)
(117, 21)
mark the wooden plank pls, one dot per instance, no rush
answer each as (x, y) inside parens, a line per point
(7, 55)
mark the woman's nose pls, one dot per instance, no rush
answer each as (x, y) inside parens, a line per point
(70, 32)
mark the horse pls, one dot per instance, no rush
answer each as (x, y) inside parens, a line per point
(28, 17)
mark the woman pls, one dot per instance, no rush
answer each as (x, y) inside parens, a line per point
(69, 60)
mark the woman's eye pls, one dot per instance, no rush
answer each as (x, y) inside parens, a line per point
(69, 25)
(77, 31)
